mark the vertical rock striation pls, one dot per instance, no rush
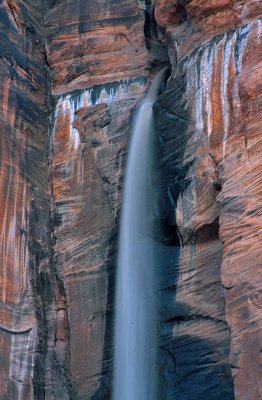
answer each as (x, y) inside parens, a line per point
(72, 73)
(58, 232)
(210, 130)
(98, 58)
(26, 297)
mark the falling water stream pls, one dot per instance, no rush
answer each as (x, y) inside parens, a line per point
(135, 326)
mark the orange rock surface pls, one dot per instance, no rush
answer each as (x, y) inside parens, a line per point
(25, 201)
(215, 53)
(91, 44)
(72, 74)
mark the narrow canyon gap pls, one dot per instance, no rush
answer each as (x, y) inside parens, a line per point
(72, 73)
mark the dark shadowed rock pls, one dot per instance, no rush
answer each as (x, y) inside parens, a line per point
(209, 127)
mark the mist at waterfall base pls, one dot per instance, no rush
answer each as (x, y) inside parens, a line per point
(135, 375)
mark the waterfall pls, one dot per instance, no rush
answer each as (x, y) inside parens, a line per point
(135, 321)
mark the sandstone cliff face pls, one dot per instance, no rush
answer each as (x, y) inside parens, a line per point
(72, 73)
(26, 297)
(98, 59)
(210, 126)
(59, 222)
(95, 43)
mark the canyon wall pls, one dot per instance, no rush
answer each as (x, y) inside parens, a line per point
(98, 60)
(73, 73)
(209, 121)
(27, 295)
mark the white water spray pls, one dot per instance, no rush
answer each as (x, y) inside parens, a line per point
(135, 326)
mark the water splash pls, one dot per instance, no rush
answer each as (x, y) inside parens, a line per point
(135, 347)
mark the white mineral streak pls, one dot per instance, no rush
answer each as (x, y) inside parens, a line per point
(2, 252)
(15, 293)
(244, 33)
(134, 344)
(205, 76)
(22, 360)
(209, 69)
(203, 84)
(74, 137)
(13, 244)
(259, 23)
(199, 99)
(69, 104)
(241, 42)
(224, 90)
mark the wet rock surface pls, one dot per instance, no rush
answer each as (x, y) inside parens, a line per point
(72, 75)
(210, 125)
(62, 155)
(98, 58)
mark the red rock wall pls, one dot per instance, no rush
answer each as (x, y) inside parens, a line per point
(210, 123)
(25, 201)
(59, 224)
(98, 60)
(72, 72)
(95, 43)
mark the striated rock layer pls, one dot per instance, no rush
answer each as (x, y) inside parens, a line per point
(209, 121)
(27, 294)
(60, 195)
(95, 43)
(98, 59)
(72, 73)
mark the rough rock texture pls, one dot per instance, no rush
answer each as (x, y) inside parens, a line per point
(209, 121)
(58, 224)
(26, 297)
(91, 43)
(72, 72)
(89, 144)
(98, 59)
